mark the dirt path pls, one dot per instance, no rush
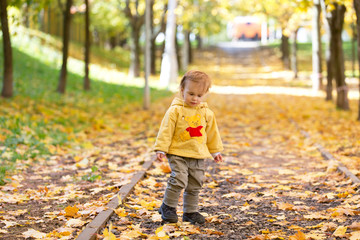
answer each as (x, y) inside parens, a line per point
(273, 185)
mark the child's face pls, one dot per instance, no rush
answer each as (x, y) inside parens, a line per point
(193, 93)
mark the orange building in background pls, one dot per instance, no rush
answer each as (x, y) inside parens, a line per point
(245, 28)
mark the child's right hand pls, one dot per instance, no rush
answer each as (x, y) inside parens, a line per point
(161, 157)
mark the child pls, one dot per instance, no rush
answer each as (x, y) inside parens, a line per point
(188, 134)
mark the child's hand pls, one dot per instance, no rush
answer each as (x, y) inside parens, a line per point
(161, 157)
(218, 158)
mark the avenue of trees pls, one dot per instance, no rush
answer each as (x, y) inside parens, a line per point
(124, 21)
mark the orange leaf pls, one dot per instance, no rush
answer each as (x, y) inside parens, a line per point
(298, 236)
(165, 167)
(71, 211)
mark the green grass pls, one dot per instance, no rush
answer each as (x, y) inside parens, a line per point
(38, 117)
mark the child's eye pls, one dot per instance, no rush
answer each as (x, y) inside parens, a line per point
(199, 96)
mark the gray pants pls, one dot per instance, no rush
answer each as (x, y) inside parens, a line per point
(188, 174)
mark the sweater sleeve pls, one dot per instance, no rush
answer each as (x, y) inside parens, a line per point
(166, 131)
(214, 142)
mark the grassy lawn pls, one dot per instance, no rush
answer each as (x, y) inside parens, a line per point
(38, 121)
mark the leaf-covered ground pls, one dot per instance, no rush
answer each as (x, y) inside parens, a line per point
(273, 183)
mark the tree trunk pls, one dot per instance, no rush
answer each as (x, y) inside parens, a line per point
(134, 70)
(185, 52)
(336, 25)
(87, 46)
(199, 42)
(7, 90)
(328, 53)
(178, 52)
(169, 70)
(155, 34)
(191, 56)
(316, 48)
(136, 21)
(357, 11)
(285, 51)
(152, 40)
(294, 54)
(353, 53)
(146, 104)
(66, 37)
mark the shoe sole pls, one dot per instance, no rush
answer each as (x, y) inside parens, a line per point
(170, 220)
(186, 219)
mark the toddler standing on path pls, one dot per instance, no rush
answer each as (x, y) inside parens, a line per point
(188, 135)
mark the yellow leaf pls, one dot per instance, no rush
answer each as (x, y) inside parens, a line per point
(340, 231)
(108, 235)
(71, 211)
(342, 195)
(121, 212)
(160, 233)
(298, 236)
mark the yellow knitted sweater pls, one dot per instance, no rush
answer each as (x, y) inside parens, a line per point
(189, 131)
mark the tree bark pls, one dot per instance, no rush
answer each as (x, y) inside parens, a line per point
(328, 53)
(178, 52)
(185, 55)
(154, 35)
(169, 70)
(294, 63)
(87, 47)
(136, 21)
(357, 11)
(316, 48)
(66, 37)
(148, 20)
(191, 56)
(7, 90)
(285, 51)
(336, 26)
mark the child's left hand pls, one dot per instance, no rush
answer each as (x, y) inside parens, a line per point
(218, 158)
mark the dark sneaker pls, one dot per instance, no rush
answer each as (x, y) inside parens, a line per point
(194, 217)
(168, 214)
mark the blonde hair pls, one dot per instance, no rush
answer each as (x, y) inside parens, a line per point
(198, 77)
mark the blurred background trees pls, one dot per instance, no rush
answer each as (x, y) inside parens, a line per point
(119, 27)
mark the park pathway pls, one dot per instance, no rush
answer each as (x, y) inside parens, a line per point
(274, 184)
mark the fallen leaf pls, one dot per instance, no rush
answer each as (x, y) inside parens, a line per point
(355, 235)
(355, 226)
(340, 231)
(75, 223)
(71, 211)
(298, 236)
(165, 167)
(32, 233)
